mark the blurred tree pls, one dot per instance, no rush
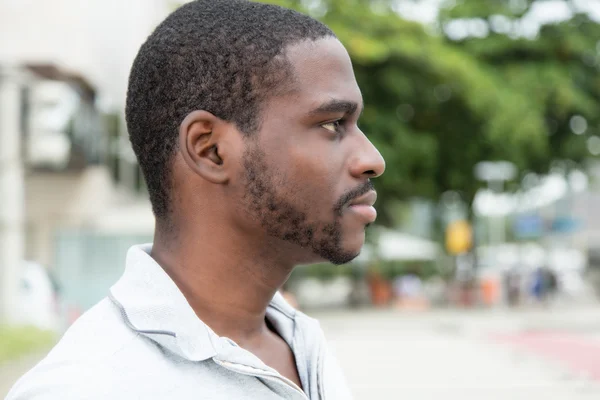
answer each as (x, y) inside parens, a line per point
(556, 65)
(432, 109)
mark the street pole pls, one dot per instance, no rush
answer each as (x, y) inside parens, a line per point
(495, 173)
(11, 196)
(498, 231)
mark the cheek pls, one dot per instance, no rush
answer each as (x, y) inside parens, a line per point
(314, 175)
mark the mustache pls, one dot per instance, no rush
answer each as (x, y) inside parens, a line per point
(351, 195)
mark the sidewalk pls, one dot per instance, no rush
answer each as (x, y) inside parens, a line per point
(451, 355)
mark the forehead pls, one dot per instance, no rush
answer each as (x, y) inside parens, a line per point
(322, 71)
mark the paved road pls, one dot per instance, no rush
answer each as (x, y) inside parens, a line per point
(456, 354)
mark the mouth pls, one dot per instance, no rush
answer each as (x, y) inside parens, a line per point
(362, 207)
(368, 199)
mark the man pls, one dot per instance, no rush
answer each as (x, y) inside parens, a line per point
(243, 117)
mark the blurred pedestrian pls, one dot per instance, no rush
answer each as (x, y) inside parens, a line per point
(512, 284)
(537, 285)
(550, 286)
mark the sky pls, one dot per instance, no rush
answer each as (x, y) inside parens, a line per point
(426, 11)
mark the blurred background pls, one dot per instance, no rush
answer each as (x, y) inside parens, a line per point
(482, 276)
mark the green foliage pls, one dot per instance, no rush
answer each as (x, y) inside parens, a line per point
(484, 8)
(324, 272)
(392, 269)
(386, 269)
(557, 71)
(19, 341)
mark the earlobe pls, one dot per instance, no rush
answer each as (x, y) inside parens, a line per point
(200, 142)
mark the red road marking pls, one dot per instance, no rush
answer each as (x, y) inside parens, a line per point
(575, 351)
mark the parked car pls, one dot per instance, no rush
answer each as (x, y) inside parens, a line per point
(39, 298)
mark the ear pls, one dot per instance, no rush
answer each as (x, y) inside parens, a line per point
(202, 144)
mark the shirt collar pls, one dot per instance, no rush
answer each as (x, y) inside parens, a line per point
(153, 306)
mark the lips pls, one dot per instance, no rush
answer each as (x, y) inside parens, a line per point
(368, 199)
(362, 207)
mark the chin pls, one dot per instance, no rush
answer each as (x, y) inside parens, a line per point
(349, 257)
(340, 256)
(348, 252)
(335, 259)
(344, 252)
(354, 243)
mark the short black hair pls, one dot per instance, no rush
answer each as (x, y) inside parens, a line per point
(222, 56)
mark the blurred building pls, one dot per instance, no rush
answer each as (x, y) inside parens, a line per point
(64, 66)
(97, 38)
(74, 58)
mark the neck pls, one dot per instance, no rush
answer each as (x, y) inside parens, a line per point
(227, 280)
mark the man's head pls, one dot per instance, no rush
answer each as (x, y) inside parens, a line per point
(251, 110)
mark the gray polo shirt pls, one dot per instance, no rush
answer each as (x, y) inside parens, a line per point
(144, 341)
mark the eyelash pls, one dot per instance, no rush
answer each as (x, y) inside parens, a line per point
(338, 126)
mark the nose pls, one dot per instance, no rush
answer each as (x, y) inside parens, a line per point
(368, 162)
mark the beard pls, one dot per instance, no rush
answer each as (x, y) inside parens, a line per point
(285, 216)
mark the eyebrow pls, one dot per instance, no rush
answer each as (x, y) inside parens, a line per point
(337, 106)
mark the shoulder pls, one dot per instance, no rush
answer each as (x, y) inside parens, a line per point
(96, 337)
(54, 381)
(84, 359)
(89, 381)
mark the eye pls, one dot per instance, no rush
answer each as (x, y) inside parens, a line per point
(334, 126)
